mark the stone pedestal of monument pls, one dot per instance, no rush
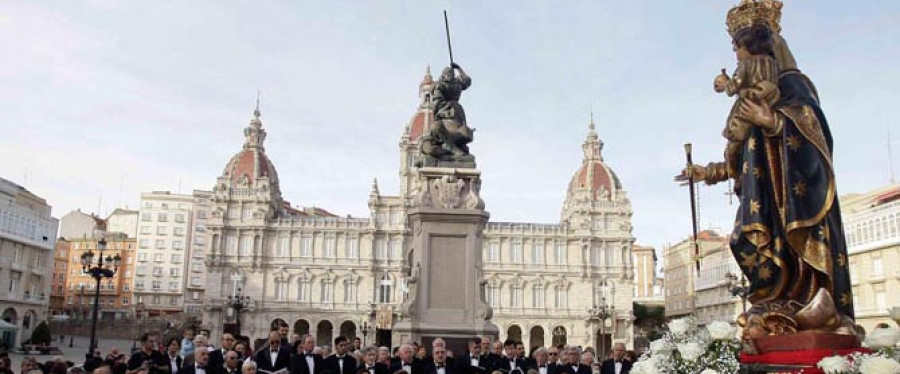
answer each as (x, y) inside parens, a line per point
(444, 263)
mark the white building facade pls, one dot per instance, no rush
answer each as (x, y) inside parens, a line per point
(164, 232)
(27, 241)
(330, 275)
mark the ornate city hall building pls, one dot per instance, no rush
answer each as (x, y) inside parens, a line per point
(325, 274)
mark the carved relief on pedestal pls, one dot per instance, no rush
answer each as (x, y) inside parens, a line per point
(449, 189)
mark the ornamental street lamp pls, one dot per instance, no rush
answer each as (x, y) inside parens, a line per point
(601, 314)
(236, 304)
(365, 331)
(738, 288)
(104, 268)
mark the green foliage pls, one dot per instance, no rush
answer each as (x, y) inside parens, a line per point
(41, 334)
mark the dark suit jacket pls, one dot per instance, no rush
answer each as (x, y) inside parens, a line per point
(379, 368)
(463, 365)
(503, 364)
(431, 368)
(300, 366)
(609, 367)
(567, 369)
(331, 364)
(490, 361)
(216, 358)
(191, 369)
(264, 360)
(179, 361)
(415, 367)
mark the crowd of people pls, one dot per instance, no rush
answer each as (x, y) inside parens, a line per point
(280, 354)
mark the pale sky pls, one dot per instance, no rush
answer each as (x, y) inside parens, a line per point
(153, 95)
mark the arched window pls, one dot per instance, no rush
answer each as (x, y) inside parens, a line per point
(385, 289)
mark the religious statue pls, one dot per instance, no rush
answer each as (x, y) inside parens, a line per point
(450, 135)
(788, 237)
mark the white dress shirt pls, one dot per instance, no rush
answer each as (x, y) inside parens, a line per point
(618, 367)
(274, 357)
(310, 362)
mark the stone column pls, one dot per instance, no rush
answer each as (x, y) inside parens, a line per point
(444, 263)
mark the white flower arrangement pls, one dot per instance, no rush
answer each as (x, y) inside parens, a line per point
(685, 350)
(859, 363)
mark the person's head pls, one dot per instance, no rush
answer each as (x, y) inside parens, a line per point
(76, 370)
(630, 356)
(227, 340)
(753, 41)
(173, 346)
(249, 367)
(370, 355)
(540, 356)
(440, 354)
(405, 353)
(274, 340)
(283, 330)
(357, 343)
(28, 364)
(231, 359)
(447, 74)
(201, 356)
(148, 342)
(200, 342)
(384, 355)
(102, 369)
(188, 334)
(497, 348)
(421, 352)
(520, 349)
(572, 356)
(340, 345)
(205, 332)
(587, 358)
(241, 348)
(485, 345)
(309, 343)
(474, 346)
(553, 354)
(509, 347)
(618, 351)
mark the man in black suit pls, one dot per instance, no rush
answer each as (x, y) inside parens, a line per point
(148, 360)
(305, 361)
(571, 364)
(488, 358)
(175, 360)
(201, 364)
(340, 362)
(616, 364)
(471, 362)
(405, 361)
(274, 357)
(438, 364)
(510, 360)
(217, 356)
(370, 363)
(232, 363)
(541, 361)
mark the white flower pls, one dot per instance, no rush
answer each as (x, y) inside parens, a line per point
(660, 346)
(709, 371)
(720, 330)
(644, 367)
(879, 365)
(883, 338)
(691, 351)
(834, 365)
(679, 326)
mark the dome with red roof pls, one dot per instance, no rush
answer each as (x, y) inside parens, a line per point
(594, 175)
(251, 163)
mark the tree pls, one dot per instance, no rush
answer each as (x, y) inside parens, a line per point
(41, 334)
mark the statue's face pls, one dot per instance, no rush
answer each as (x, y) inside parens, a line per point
(447, 74)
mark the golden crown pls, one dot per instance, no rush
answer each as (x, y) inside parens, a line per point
(751, 12)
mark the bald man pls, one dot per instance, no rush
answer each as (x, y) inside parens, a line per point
(617, 364)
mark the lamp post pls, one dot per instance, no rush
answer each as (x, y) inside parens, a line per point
(738, 288)
(104, 268)
(602, 313)
(365, 332)
(236, 304)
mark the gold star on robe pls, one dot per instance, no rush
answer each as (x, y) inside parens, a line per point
(793, 142)
(765, 272)
(751, 143)
(749, 261)
(754, 206)
(800, 189)
(841, 260)
(845, 298)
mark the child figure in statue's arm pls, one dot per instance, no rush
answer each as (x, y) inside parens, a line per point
(756, 79)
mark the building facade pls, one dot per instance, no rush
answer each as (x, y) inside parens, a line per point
(327, 275)
(27, 239)
(714, 301)
(872, 229)
(116, 294)
(195, 278)
(648, 285)
(688, 290)
(123, 221)
(77, 224)
(60, 274)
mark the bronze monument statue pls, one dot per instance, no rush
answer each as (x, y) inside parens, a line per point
(788, 237)
(450, 135)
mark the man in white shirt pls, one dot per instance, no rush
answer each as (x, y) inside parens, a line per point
(541, 361)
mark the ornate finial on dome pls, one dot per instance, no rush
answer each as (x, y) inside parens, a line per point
(592, 145)
(427, 79)
(254, 134)
(256, 111)
(751, 12)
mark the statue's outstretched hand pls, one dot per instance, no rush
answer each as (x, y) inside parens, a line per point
(696, 171)
(455, 66)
